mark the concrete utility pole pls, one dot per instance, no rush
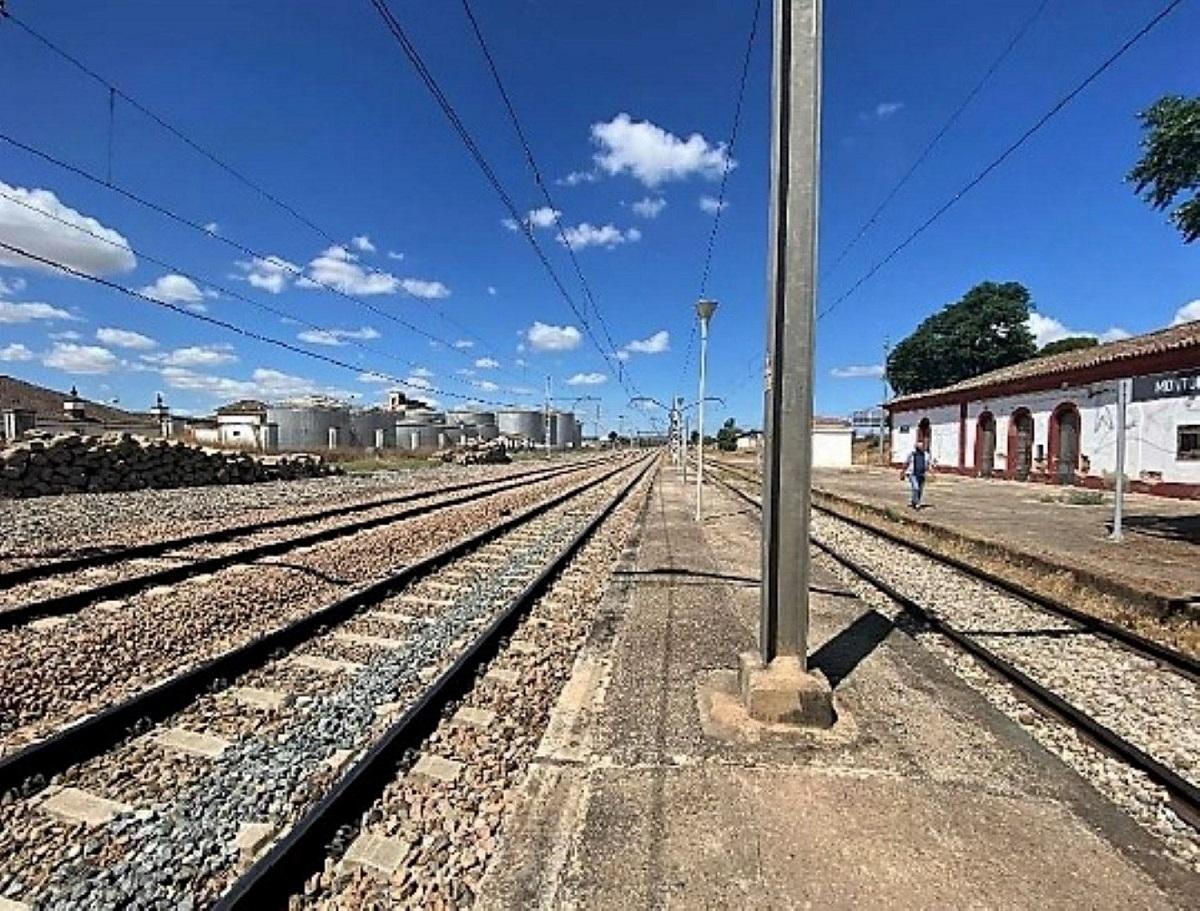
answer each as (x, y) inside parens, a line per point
(1118, 532)
(704, 312)
(887, 348)
(775, 684)
(546, 418)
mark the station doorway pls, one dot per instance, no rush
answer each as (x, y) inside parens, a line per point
(1064, 443)
(985, 444)
(1020, 444)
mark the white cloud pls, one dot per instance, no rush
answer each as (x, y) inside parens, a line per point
(336, 337)
(212, 227)
(587, 379)
(363, 243)
(12, 286)
(652, 155)
(423, 371)
(491, 289)
(69, 336)
(105, 253)
(125, 338)
(659, 342)
(13, 312)
(418, 382)
(520, 362)
(543, 217)
(487, 363)
(577, 177)
(392, 254)
(649, 207)
(174, 289)
(1187, 313)
(545, 337)
(15, 352)
(87, 359)
(429, 290)
(712, 205)
(195, 356)
(1047, 329)
(485, 385)
(270, 273)
(585, 235)
(336, 267)
(886, 109)
(857, 371)
(377, 378)
(264, 383)
(462, 344)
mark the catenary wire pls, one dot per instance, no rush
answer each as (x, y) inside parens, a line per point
(545, 190)
(937, 137)
(115, 92)
(225, 239)
(426, 77)
(228, 292)
(1003, 156)
(212, 320)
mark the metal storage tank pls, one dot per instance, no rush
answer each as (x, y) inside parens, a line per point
(521, 422)
(363, 425)
(487, 431)
(562, 429)
(416, 435)
(307, 427)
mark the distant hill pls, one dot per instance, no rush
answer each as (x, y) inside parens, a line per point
(48, 403)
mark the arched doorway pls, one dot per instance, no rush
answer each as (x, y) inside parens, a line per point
(1063, 447)
(1020, 444)
(985, 444)
(925, 432)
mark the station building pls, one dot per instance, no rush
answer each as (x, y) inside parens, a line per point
(1053, 419)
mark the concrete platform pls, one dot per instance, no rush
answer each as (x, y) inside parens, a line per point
(1160, 554)
(921, 795)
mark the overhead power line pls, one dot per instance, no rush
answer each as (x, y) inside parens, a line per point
(214, 321)
(114, 91)
(733, 135)
(937, 137)
(205, 318)
(447, 108)
(1003, 156)
(241, 247)
(228, 292)
(542, 185)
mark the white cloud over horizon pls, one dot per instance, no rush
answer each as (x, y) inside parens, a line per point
(362, 243)
(857, 372)
(15, 353)
(649, 206)
(1189, 312)
(194, 356)
(62, 234)
(585, 235)
(1047, 329)
(14, 312)
(125, 338)
(80, 359)
(657, 343)
(337, 337)
(588, 379)
(711, 205)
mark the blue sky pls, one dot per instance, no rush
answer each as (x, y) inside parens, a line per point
(316, 103)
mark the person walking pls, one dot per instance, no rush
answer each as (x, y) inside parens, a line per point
(915, 467)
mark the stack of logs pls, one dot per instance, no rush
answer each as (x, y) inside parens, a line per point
(70, 463)
(477, 452)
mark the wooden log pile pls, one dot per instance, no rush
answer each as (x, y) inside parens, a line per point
(72, 463)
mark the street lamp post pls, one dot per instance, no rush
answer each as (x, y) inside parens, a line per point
(704, 310)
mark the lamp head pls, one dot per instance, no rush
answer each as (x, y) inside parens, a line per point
(705, 309)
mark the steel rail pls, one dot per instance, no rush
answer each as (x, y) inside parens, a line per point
(1184, 794)
(1178, 661)
(32, 766)
(300, 854)
(69, 602)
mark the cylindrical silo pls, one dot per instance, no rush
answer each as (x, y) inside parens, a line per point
(522, 423)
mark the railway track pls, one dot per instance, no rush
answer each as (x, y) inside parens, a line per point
(1134, 699)
(63, 586)
(266, 752)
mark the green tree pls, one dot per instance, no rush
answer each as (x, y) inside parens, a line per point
(985, 330)
(1170, 163)
(1070, 343)
(727, 436)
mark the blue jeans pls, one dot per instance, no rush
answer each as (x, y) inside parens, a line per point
(917, 481)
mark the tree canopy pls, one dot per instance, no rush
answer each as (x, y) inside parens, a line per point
(1070, 343)
(1170, 163)
(985, 330)
(727, 435)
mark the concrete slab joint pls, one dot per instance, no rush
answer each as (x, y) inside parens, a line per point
(782, 692)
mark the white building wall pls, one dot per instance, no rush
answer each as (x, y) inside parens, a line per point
(1151, 432)
(832, 447)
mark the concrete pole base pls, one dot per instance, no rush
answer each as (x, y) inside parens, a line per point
(782, 692)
